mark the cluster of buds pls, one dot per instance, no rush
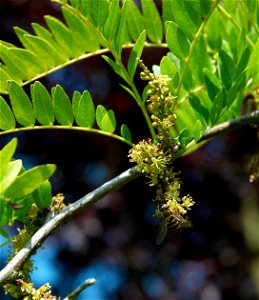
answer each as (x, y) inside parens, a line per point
(44, 292)
(58, 203)
(156, 159)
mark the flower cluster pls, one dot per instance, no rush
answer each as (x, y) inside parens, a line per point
(42, 293)
(21, 288)
(156, 159)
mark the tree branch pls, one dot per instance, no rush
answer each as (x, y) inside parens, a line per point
(82, 287)
(10, 271)
(251, 118)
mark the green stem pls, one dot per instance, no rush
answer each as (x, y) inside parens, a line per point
(229, 16)
(93, 130)
(137, 95)
(194, 42)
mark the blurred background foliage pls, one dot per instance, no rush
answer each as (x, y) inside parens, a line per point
(114, 241)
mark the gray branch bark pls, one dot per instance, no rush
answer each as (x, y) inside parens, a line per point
(10, 271)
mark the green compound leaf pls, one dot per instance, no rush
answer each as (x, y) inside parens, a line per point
(167, 11)
(212, 83)
(125, 132)
(64, 37)
(21, 105)
(113, 20)
(119, 37)
(100, 112)
(153, 21)
(108, 122)
(42, 196)
(184, 137)
(187, 15)
(242, 64)
(83, 109)
(62, 106)
(217, 106)
(45, 34)
(115, 67)
(177, 40)
(167, 67)
(136, 54)
(226, 69)
(5, 156)
(42, 104)
(29, 181)
(198, 107)
(21, 62)
(7, 120)
(135, 20)
(13, 169)
(84, 34)
(197, 131)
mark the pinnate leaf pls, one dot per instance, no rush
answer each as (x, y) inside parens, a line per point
(125, 132)
(226, 69)
(7, 120)
(108, 122)
(21, 105)
(136, 54)
(29, 181)
(83, 109)
(153, 21)
(5, 156)
(42, 195)
(62, 106)
(135, 20)
(42, 104)
(12, 172)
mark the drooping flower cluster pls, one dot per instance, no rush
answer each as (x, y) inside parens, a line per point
(21, 287)
(156, 159)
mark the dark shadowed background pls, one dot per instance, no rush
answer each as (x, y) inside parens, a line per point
(114, 241)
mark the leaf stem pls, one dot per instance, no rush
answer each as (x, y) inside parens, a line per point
(78, 290)
(247, 119)
(92, 130)
(226, 14)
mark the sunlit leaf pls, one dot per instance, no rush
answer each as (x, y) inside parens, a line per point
(62, 106)
(112, 21)
(11, 173)
(6, 154)
(136, 54)
(7, 120)
(100, 112)
(153, 21)
(84, 34)
(83, 109)
(108, 122)
(42, 195)
(21, 105)
(42, 104)
(29, 181)
(135, 20)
